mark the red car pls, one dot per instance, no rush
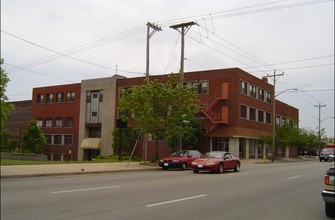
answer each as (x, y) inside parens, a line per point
(216, 161)
(180, 159)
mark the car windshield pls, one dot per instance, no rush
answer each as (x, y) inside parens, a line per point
(214, 155)
(328, 150)
(182, 153)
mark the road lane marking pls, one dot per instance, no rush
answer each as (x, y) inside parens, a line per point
(177, 200)
(87, 189)
(294, 177)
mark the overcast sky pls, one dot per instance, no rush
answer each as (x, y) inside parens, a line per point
(58, 42)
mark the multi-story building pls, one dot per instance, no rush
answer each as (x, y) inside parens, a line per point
(237, 112)
(18, 119)
(97, 117)
(56, 110)
(78, 119)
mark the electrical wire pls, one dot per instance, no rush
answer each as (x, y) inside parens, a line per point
(75, 50)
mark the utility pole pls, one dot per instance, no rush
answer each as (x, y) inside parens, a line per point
(319, 134)
(149, 34)
(184, 27)
(274, 112)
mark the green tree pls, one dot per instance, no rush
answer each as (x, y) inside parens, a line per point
(4, 106)
(6, 142)
(193, 136)
(129, 136)
(159, 108)
(32, 140)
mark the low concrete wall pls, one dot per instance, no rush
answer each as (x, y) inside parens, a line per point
(17, 156)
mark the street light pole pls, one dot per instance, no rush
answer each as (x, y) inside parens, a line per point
(274, 111)
(319, 133)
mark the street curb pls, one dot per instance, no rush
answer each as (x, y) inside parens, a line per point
(74, 173)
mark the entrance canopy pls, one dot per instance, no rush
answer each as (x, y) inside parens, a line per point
(91, 143)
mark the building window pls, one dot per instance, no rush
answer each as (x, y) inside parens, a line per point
(40, 98)
(50, 98)
(70, 96)
(39, 122)
(278, 120)
(48, 139)
(243, 111)
(252, 91)
(101, 97)
(94, 114)
(48, 122)
(252, 114)
(94, 132)
(268, 118)
(58, 122)
(261, 94)
(268, 97)
(57, 139)
(260, 116)
(69, 122)
(244, 87)
(198, 87)
(221, 144)
(283, 121)
(88, 97)
(204, 88)
(67, 139)
(59, 97)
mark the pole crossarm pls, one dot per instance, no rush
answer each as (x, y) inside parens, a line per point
(149, 35)
(183, 25)
(154, 27)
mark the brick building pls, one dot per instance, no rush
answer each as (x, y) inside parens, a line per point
(78, 119)
(56, 110)
(18, 119)
(237, 113)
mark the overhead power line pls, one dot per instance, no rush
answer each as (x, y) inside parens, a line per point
(241, 11)
(67, 53)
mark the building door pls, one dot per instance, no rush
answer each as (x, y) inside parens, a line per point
(241, 148)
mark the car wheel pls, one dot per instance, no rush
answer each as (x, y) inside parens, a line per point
(237, 167)
(183, 166)
(329, 208)
(195, 171)
(164, 168)
(220, 168)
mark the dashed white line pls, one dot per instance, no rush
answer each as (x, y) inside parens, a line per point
(294, 177)
(177, 200)
(87, 189)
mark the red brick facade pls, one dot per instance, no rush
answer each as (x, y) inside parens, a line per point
(224, 101)
(237, 114)
(56, 108)
(18, 119)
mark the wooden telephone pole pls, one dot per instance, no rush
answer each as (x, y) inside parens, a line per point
(149, 34)
(184, 27)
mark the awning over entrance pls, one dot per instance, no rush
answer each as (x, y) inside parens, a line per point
(91, 143)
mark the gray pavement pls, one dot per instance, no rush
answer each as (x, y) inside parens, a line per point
(20, 171)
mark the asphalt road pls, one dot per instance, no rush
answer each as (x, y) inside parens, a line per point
(258, 191)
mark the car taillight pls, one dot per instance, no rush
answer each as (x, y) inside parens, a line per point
(329, 180)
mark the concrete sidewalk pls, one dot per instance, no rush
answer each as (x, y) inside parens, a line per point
(20, 171)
